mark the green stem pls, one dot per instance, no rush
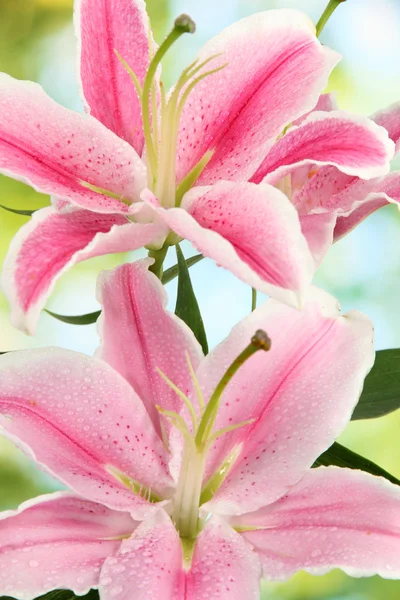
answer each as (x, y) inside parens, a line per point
(159, 257)
(326, 15)
(253, 299)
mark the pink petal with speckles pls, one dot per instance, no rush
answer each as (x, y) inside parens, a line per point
(102, 28)
(139, 336)
(355, 145)
(54, 149)
(147, 566)
(275, 71)
(51, 243)
(150, 565)
(224, 566)
(251, 230)
(57, 541)
(301, 394)
(76, 417)
(333, 518)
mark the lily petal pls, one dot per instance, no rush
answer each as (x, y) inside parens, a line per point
(51, 243)
(353, 144)
(300, 395)
(224, 566)
(152, 562)
(57, 541)
(314, 190)
(318, 231)
(326, 103)
(389, 118)
(383, 192)
(253, 231)
(54, 149)
(275, 71)
(140, 337)
(334, 518)
(60, 406)
(147, 566)
(101, 29)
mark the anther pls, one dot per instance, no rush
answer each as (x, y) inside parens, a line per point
(261, 340)
(185, 24)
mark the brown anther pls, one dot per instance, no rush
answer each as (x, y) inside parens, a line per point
(261, 340)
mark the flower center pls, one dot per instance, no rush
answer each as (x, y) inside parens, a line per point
(161, 117)
(198, 439)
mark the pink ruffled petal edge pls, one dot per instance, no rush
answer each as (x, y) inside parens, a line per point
(355, 145)
(253, 231)
(334, 518)
(51, 243)
(57, 541)
(140, 337)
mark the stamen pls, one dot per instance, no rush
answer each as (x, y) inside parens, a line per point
(104, 192)
(196, 384)
(259, 341)
(190, 179)
(224, 430)
(182, 396)
(131, 73)
(216, 480)
(177, 420)
(194, 68)
(134, 486)
(244, 528)
(117, 538)
(183, 24)
(154, 115)
(193, 84)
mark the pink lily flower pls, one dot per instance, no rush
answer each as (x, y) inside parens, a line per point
(191, 476)
(191, 162)
(331, 203)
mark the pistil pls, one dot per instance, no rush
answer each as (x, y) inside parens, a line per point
(259, 341)
(190, 493)
(183, 24)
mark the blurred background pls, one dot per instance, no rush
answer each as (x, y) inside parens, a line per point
(363, 270)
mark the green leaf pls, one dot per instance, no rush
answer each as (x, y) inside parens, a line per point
(63, 595)
(187, 307)
(381, 393)
(340, 456)
(25, 213)
(87, 319)
(91, 318)
(172, 272)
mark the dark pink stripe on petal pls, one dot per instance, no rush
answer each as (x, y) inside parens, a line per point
(103, 27)
(57, 541)
(276, 70)
(53, 242)
(53, 149)
(355, 145)
(75, 415)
